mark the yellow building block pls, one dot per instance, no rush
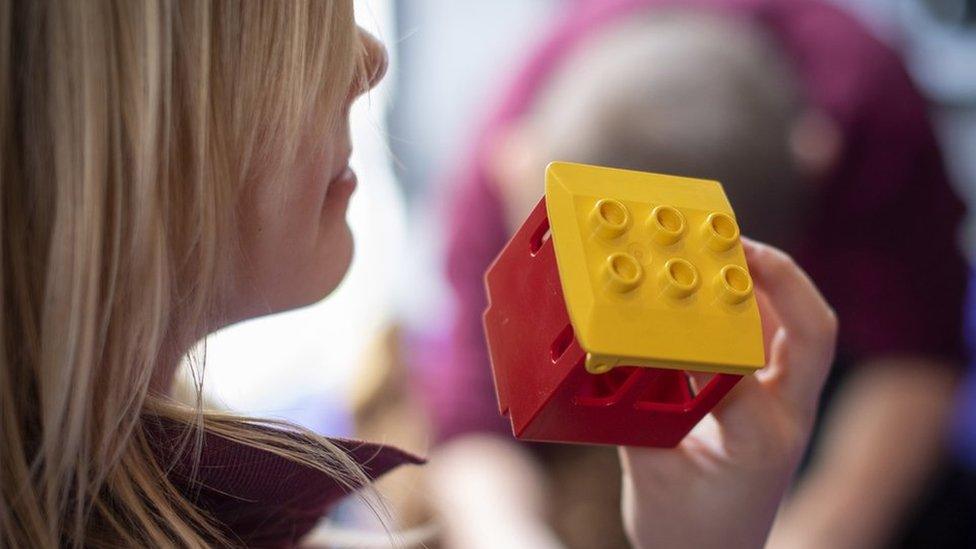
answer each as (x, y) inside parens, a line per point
(652, 270)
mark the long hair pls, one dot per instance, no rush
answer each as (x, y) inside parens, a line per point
(129, 130)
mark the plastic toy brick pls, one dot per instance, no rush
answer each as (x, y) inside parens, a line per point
(545, 281)
(652, 270)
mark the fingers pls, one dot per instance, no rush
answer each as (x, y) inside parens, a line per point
(741, 405)
(769, 318)
(796, 301)
(802, 347)
(740, 413)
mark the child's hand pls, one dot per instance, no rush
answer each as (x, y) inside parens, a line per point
(722, 485)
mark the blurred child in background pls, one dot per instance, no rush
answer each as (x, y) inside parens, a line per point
(824, 147)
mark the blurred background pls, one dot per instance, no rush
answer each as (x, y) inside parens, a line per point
(376, 359)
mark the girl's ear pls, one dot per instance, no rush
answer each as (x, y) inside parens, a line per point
(815, 144)
(516, 167)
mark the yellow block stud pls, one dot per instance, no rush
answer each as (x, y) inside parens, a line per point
(680, 278)
(652, 270)
(667, 225)
(623, 272)
(734, 284)
(609, 218)
(721, 232)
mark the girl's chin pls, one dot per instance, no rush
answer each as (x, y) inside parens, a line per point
(335, 264)
(318, 280)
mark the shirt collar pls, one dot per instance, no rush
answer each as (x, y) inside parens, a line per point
(258, 497)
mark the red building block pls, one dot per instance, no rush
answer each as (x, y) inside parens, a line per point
(541, 384)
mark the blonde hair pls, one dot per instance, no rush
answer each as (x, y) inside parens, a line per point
(129, 130)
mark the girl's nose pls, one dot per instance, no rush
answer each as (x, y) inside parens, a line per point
(375, 62)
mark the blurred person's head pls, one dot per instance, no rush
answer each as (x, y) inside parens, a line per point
(678, 92)
(167, 169)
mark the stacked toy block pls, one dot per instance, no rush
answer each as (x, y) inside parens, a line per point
(617, 286)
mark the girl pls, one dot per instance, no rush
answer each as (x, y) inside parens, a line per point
(169, 168)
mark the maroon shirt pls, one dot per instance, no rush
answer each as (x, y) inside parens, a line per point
(880, 240)
(258, 498)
